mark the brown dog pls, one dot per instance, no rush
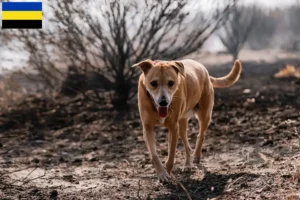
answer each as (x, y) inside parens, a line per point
(169, 93)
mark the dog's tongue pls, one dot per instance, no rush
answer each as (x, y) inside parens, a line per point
(163, 111)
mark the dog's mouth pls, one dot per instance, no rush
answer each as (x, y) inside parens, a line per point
(163, 111)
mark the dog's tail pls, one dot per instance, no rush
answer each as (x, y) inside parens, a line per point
(230, 78)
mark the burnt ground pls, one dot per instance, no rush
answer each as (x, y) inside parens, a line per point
(73, 149)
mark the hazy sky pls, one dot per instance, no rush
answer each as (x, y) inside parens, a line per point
(212, 45)
(272, 3)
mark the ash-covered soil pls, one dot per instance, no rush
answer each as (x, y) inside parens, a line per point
(76, 148)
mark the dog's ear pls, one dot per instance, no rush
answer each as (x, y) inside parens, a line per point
(145, 65)
(179, 67)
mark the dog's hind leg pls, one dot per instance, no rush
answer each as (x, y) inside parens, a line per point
(183, 124)
(204, 116)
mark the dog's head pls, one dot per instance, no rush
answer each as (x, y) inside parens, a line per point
(161, 81)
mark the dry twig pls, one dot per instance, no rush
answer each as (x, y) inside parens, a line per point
(139, 188)
(182, 186)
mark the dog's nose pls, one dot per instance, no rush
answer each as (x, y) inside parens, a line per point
(163, 103)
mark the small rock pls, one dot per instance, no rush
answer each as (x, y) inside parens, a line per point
(246, 91)
(244, 185)
(77, 160)
(92, 157)
(125, 184)
(69, 178)
(61, 159)
(53, 194)
(34, 191)
(251, 100)
(267, 143)
(108, 166)
(286, 176)
(35, 160)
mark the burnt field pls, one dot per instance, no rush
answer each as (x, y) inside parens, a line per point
(77, 149)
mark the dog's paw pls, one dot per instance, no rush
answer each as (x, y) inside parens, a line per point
(197, 157)
(163, 176)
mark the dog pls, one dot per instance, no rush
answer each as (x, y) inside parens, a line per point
(169, 94)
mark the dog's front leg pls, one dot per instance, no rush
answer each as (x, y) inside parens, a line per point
(172, 140)
(149, 138)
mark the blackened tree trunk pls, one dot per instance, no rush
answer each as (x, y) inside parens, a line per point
(122, 93)
(235, 56)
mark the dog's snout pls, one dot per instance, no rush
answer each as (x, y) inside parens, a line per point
(163, 101)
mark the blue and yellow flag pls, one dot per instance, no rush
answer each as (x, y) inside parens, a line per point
(22, 15)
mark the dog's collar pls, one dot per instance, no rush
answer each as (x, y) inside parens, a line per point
(153, 102)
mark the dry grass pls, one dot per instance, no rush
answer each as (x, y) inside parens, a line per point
(11, 92)
(17, 86)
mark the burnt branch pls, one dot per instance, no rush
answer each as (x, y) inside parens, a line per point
(109, 36)
(235, 32)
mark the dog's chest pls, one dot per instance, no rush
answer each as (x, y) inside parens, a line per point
(161, 121)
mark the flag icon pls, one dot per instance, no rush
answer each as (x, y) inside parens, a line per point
(22, 15)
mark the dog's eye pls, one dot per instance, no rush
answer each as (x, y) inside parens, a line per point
(154, 83)
(170, 83)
